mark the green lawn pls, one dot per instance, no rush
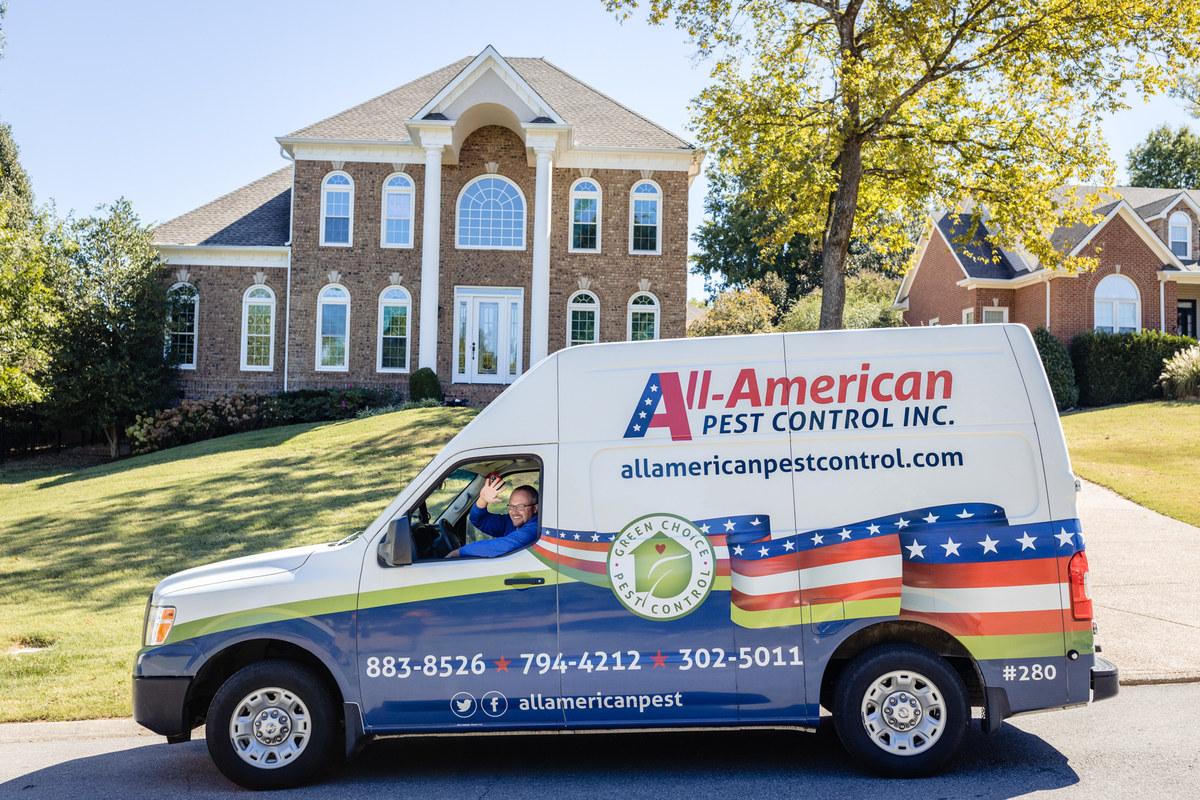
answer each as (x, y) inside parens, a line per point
(1148, 452)
(81, 550)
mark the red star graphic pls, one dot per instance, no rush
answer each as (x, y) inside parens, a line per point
(659, 660)
(502, 664)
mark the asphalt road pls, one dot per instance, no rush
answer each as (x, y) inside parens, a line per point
(1139, 744)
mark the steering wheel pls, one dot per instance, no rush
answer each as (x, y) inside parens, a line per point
(447, 540)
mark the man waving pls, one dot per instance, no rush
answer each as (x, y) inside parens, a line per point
(517, 529)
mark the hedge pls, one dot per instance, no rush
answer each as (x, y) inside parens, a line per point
(1122, 367)
(1059, 369)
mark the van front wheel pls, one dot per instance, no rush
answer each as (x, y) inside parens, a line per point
(272, 725)
(901, 710)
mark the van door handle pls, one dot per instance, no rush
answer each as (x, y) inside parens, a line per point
(524, 581)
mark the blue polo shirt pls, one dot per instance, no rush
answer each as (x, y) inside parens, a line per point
(507, 537)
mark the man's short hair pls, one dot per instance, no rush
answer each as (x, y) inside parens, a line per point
(527, 488)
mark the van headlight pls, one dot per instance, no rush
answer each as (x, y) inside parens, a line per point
(159, 620)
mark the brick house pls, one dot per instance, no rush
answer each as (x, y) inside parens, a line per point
(470, 221)
(1147, 242)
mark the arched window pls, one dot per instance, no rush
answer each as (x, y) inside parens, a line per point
(1180, 234)
(183, 312)
(337, 210)
(333, 329)
(491, 215)
(644, 218)
(1118, 305)
(585, 216)
(394, 321)
(258, 329)
(397, 212)
(642, 322)
(583, 319)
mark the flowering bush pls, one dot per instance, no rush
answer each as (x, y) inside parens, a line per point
(1180, 377)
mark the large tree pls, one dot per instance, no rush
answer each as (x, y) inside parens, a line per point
(1169, 158)
(26, 305)
(110, 362)
(854, 111)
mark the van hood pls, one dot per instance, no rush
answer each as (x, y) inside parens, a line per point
(237, 569)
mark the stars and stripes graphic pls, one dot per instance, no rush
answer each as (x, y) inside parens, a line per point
(660, 406)
(962, 567)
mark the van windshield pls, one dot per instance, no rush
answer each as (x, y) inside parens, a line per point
(451, 487)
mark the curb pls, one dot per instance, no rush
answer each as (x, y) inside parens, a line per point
(1160, 680)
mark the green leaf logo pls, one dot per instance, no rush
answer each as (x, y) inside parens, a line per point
(662, 566)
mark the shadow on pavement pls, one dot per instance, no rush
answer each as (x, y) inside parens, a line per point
(1009, 763)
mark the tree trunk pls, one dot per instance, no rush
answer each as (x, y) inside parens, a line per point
(838, 228)
(112, 434)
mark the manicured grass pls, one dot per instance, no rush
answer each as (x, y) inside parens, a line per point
(1148, 452)
(81, 550)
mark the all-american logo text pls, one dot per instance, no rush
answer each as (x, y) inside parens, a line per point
(671, 397)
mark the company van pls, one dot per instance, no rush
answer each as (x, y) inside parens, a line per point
(747, 531)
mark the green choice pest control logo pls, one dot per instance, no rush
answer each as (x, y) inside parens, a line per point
(661, 567)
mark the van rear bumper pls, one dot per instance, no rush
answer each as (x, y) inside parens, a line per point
(1104, 679)
(159, 704)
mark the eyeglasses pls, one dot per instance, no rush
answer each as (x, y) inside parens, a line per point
(515, 506)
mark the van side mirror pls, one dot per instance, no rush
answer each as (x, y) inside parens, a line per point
(396, 547)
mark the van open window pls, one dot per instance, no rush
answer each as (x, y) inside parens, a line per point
(446, 520)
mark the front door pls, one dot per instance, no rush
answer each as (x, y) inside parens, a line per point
(1187, 318)
(487, 334)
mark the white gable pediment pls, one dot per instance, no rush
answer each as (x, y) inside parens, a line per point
(488, 79)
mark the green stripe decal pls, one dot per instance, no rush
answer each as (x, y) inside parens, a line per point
(459, 588)
(260, 616)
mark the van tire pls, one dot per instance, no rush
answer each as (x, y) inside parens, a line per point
(286, 704)
(896, 698)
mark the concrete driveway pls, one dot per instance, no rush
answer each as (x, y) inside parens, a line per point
(1145, 581)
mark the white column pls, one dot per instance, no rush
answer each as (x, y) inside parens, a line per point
(1162, 305)
(431, 237)
(539, 301)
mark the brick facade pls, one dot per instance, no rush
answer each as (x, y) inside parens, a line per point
(935, 293)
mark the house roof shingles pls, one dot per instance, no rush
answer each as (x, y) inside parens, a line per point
(974, 249)
(257, 214)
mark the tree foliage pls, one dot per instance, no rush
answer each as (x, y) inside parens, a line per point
(1168, 158)
(853, 112)
(736, 311)
(109, 362)
(869, 297)
(26, 306)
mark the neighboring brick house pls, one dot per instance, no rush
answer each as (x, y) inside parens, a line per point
(470, 221)
(1147, 242)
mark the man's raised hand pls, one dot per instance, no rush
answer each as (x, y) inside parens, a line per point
(490, 492)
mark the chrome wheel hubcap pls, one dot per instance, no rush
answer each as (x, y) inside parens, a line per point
(904, 713)
(270, 728)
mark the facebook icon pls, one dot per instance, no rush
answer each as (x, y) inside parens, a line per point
(494, 704)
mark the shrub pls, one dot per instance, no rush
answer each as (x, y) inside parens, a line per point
(1180, 379)
(1059, 369)
(371, 412)
(869, 297)
(317, 405)
(1121, 367)
(424, 385)
(736, 311)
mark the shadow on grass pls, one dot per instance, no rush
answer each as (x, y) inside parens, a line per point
(1010, 763)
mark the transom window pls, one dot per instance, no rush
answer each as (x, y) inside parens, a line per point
(585, 216)
(644, 218)
(491, 215)
(394, 326)
(337, 209)
(1180, 233)
(1118, 306)
(183, 311)
(583, 319)
(397, 213)
(995, 314)
(642, 323)
(333, 328)
(258, 329)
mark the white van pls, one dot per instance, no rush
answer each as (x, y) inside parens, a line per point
(736, 531)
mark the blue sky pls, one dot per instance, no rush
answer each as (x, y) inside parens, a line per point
(173, 104)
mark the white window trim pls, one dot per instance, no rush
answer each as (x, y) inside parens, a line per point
(575, 194)
(986, 309)
(658, 226)
(321, 303)
(508, 294)
(246, 303)
(1187, 238)
(1115, 302)
(968, 316)
(195, 324)
(524, 213)
(411, 191)
(594, 308)
(630, 308)
(324, 188)
(407, 330)
(934, 321)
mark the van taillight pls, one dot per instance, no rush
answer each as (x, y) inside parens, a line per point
(1077, 572)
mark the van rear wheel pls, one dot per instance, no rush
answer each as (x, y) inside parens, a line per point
(272, 725)
(901, 710)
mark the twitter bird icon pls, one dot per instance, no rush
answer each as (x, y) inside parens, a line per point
(463, 705)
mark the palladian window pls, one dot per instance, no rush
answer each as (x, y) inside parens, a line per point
(258, 329)
(333, 329)
(491, 215)
(1118, 306)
